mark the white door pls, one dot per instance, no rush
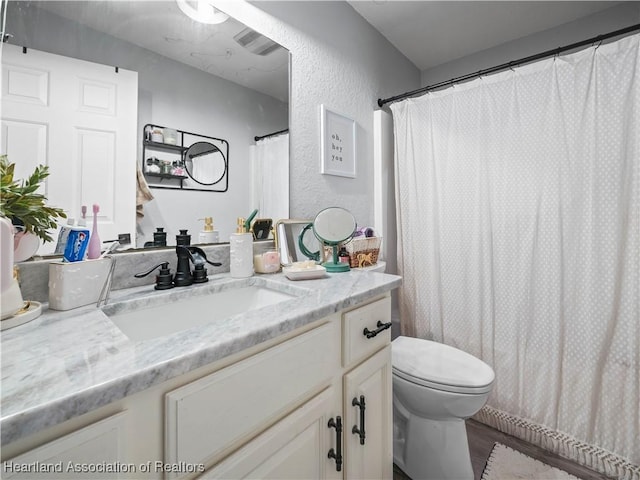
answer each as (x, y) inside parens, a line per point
(79, 118)
(294, 448)
(372, 456)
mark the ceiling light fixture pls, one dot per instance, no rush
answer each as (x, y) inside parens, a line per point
(202, 11)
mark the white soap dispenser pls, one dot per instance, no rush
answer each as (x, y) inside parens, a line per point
(208, 234)
(241, 251)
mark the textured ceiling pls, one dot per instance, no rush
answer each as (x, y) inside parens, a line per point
(432, 33)
(161, 27)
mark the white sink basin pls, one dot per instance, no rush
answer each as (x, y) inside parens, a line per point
(170, 315)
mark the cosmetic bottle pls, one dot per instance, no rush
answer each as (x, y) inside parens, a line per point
(241, 251)
(208, 234)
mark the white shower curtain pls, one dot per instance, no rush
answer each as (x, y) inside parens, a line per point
(270, 177)
(518, 203)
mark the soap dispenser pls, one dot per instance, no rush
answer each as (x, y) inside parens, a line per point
(208, 234)
(241, 251)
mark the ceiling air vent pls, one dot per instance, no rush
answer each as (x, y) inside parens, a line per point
(255, 42)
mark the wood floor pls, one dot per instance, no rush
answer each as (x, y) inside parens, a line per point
(482, 438)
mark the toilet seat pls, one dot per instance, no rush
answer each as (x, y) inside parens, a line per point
(439, 366)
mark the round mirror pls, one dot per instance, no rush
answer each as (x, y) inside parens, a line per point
(334, 225)
(205, 164)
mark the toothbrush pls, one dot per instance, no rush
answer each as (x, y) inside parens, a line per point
(83, 219)
(94, 239)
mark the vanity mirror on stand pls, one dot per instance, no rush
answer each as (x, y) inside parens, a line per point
(117, 67)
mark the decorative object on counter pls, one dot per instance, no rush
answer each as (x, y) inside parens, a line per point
(343, 256)
(332, 226)
(74, 284)
(241, 249)
(208, 234)
(261, 228)
(337, 144)
(287, 239)
(24, 206)
(93, 251)
(306, 270)
(267, 262)
(15, 311)
(363, 251)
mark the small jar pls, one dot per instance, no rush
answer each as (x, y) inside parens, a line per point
(152, 165)
(157, 135)
(177, 170)
(170, 136)
(343, 256)
(165, 167)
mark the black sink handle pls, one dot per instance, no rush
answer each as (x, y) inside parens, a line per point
(199, 257)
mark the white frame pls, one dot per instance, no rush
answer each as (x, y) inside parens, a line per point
(331, 124)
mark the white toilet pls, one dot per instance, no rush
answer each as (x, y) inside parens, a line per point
(435, 388)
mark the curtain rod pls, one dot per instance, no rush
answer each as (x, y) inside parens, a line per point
(515, 63)
(271, 134)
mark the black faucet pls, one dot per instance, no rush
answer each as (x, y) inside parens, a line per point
(183, 276)
(186, 253)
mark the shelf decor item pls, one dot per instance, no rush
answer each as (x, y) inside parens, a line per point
(337, 144)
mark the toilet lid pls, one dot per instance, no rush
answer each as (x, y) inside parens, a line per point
(437, 365)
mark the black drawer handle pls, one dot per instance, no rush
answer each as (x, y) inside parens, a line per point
(381, 326)
(337, 453)
(355, 430)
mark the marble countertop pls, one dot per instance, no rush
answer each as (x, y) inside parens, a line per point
(65, 364)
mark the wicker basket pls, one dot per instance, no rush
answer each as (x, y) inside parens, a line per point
(363, 251)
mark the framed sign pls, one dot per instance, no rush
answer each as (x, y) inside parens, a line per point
(337, 144)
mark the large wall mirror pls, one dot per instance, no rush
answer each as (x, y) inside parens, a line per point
(180, 64)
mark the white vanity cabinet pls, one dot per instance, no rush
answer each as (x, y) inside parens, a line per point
(98, 445)
(270, 411)
(344, 431)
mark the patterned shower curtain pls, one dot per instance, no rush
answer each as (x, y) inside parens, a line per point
(518, 205)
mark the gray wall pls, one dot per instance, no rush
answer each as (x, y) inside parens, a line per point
(341, 61)
(174, 95)
(602, 22)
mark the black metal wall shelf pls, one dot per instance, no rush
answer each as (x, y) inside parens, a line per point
(188, 149)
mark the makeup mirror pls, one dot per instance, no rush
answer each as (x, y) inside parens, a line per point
(220, 80)
(333, 226)
(288, 233)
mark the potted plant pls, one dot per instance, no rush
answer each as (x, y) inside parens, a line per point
(24, 206)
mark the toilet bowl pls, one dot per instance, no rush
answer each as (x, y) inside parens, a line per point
(435, 388)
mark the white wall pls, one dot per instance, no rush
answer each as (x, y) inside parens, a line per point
(338, 60)
(614, 18)
(173, 95)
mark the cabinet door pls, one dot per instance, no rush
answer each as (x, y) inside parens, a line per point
(369, 457)
(76, 454)
(294, 448)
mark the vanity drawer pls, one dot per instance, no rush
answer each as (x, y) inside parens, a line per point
(207, 417)
(356, 345)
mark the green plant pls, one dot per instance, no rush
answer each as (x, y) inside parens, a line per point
(19, 200)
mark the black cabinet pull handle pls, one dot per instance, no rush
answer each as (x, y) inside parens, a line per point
(337, 453)
(355, 430)
(381, 326)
